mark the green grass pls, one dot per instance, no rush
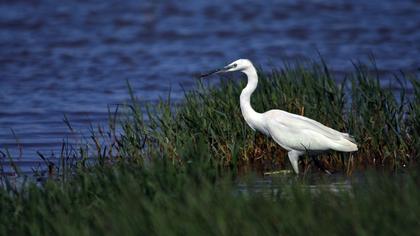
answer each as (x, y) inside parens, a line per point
(173, 169)
(164, 200)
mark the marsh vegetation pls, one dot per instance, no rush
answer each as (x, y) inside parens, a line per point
(172, 168)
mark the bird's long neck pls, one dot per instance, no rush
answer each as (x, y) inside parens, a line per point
(252, 117)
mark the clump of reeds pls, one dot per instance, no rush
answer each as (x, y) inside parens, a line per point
(385, 122)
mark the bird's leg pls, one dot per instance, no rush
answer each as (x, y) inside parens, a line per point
(294, 158)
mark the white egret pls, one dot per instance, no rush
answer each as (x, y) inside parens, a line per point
(297, 134)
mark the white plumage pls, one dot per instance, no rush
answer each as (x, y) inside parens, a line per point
(295, 133)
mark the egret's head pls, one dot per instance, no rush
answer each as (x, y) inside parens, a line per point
(238, 65)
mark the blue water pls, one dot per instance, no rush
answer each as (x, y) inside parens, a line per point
(74, 57)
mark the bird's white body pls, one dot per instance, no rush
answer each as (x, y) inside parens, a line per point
(295, 133)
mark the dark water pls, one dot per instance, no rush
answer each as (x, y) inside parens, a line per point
(75, 57)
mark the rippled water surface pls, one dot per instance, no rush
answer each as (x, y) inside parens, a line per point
(74, 57)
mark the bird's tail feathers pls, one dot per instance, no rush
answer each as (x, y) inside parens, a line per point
(347, 144)
(349, 137)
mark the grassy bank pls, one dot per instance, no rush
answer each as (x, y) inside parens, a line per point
(173, 168)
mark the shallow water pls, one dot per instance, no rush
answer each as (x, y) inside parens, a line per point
(75, 57)
(313, 182)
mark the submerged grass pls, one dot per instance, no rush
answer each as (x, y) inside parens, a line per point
(170, 169)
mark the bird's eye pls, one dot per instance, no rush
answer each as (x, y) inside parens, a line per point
(235, 65)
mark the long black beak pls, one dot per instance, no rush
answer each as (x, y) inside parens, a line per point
(212, 72)
(224, 69)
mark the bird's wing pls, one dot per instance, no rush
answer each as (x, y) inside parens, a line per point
(299, 124)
